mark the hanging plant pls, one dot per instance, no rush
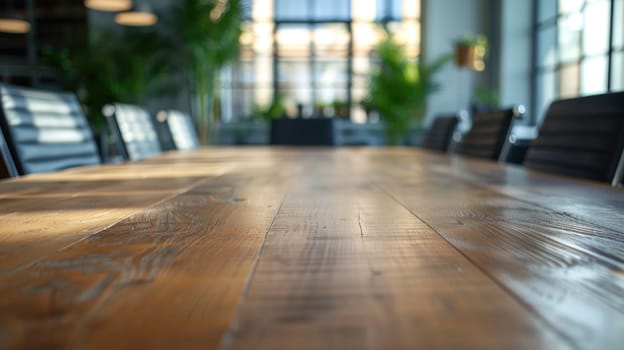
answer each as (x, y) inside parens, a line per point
(470, 52)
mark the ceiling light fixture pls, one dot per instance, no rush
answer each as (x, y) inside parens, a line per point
(141, 15)
(13, 24)
(109, 5)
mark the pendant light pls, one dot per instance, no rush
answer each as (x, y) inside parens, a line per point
(109, 5)
(13, 24)
(141, 15)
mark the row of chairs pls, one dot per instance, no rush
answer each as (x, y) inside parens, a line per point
(581, 137)
(47, 131)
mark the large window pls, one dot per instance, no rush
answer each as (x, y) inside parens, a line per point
(313, 53)
(579, 49)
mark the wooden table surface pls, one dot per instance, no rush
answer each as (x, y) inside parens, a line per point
(276, 248)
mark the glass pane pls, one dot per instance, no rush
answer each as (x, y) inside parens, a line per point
(331, 72)
(596, 28)
(257, 38)
(294, 73)
(361, 65)
(546, 47)
(365, 37)
(568, 6)
(242, 103)
(546, 92)
(547, 9)
(263, 96)
(288, 9)
(570, 37)
(263, 66)
(244, 75)
(363, 10)
(247, 9)
(330, 9)
(618, 24)
(411, 9)
(617, 72)
(331, 39)
(569, 80)
(394, 9)
(262, 10)
(594, 75)
(407, 33)
(293, 40)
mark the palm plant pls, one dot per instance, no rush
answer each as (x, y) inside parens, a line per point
(200, 37)
(399, 88)
(114, 67)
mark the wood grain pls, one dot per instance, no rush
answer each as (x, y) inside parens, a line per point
(277, 248)
(566, 269)
(346, 267)
(183, 261)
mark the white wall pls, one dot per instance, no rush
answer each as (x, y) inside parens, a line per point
(444, 21)
(515, 53)
(508, 26)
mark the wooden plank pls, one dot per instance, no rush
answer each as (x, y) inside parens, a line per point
(357, 257)
(168, 277)
(567, 270)
(589, 201)
(44, 213)
(346, 267)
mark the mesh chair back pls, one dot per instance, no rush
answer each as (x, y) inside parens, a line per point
(134, 130)
(180, 129)
(440, 134)
(581, 137)
(45, 131)
(489, 133)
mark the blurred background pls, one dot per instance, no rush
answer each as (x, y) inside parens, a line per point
(236, 66)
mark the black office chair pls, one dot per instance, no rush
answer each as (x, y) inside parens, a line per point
(489, 135)
(7, 166)
(45, 131)
(303, 132)
(133, 129)
(178, 130)
(582, 137)
(441, 132)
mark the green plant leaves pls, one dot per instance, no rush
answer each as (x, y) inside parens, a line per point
(399, 88)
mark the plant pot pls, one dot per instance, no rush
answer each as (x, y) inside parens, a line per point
(465, 55)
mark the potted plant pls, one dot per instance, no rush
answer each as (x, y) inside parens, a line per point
(470, 52)
(319, 109)
(399, 88)
(341, 109)
(200, 37)
(276, 109)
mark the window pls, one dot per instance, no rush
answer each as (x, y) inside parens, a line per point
(579, 49)
(313, 53)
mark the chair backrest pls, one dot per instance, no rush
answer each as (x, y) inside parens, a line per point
(133, 129)
(489, 133)
(45, 131)
(441, 132)
(303, 132)
(179, 129)
(7, 166)
(581, 137)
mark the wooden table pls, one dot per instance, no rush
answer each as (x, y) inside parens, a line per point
(262, 248)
